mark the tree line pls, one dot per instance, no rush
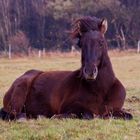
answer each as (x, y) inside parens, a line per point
(27, 24)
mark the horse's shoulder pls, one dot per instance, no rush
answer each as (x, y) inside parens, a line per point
(32, 71)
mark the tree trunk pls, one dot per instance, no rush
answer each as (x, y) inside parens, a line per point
(138, 49)
(117, 36)
(123, 40)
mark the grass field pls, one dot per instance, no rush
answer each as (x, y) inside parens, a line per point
(127, 69)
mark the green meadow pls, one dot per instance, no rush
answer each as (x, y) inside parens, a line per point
(127, 68)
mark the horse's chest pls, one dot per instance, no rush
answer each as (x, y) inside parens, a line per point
(92, 99)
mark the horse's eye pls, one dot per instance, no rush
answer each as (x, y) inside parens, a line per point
(101, 44)
(78, 43)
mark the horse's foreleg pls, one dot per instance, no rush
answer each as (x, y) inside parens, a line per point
(120, 114)
(78, 110)
(112, 106)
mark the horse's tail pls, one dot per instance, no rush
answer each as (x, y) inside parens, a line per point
(15, 97)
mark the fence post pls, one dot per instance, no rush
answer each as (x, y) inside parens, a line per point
(44, 52)
(39, 53)
(10, 52)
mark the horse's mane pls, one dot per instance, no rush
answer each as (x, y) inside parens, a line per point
(85, 24)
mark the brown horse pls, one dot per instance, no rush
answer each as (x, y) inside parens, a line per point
(92, 90)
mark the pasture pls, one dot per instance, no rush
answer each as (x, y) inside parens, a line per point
(127, 68)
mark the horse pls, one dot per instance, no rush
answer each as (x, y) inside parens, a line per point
(90, 91)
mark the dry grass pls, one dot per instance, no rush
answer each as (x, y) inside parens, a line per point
(127, 69)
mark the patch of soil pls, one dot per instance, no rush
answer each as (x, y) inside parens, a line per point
(133, 99)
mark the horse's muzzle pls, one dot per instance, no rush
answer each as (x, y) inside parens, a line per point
(90, 74)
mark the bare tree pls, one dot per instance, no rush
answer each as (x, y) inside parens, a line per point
(138, 48)
(5, 25)
(19, 43)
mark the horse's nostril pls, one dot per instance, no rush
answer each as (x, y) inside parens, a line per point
(95, 69)
(87, 71)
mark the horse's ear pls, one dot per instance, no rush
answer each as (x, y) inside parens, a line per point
(103, 26)
(79, 28)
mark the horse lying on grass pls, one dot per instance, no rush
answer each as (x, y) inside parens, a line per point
(92, 90)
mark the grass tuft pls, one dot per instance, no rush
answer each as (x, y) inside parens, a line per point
(127, 69)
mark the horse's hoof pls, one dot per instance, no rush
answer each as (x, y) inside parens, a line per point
(59, 116)
(41, 117)
(87, 116)
(21, 118)
(128, 116)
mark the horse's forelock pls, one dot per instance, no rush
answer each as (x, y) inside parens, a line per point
(85, 24)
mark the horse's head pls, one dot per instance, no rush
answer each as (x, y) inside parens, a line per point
(93, 46)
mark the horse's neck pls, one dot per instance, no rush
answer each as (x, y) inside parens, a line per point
(105, 78)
